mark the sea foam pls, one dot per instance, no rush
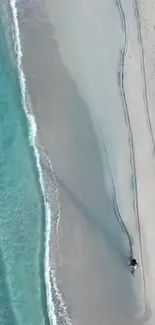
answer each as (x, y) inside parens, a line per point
(50, 278)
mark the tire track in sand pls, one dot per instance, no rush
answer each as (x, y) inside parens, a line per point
(116, 208)
(131, 141)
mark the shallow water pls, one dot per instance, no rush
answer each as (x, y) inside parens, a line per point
(22, 294)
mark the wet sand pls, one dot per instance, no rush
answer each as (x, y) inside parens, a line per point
(93, 272)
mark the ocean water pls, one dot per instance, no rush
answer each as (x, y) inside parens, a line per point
(22, 215)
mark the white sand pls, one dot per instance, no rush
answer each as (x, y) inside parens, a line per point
(141, 106)
(94, 276)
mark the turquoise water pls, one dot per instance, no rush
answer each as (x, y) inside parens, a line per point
(22, 291)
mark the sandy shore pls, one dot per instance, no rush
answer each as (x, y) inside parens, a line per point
(93, 252)
(139, 67)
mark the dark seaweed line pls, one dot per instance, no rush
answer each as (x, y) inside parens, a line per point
(131, 142)
(145, 97)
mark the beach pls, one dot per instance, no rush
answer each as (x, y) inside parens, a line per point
(83, 68)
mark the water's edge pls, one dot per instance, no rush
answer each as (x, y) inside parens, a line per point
(48, 281)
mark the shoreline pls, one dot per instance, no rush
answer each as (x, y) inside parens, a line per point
(33, 142)
(41, 285)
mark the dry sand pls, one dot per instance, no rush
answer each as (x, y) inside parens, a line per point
(93, 252)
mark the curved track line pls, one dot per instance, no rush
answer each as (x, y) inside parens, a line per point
(116, 208)
(145, 97)
(131, 142)
(125, 107)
